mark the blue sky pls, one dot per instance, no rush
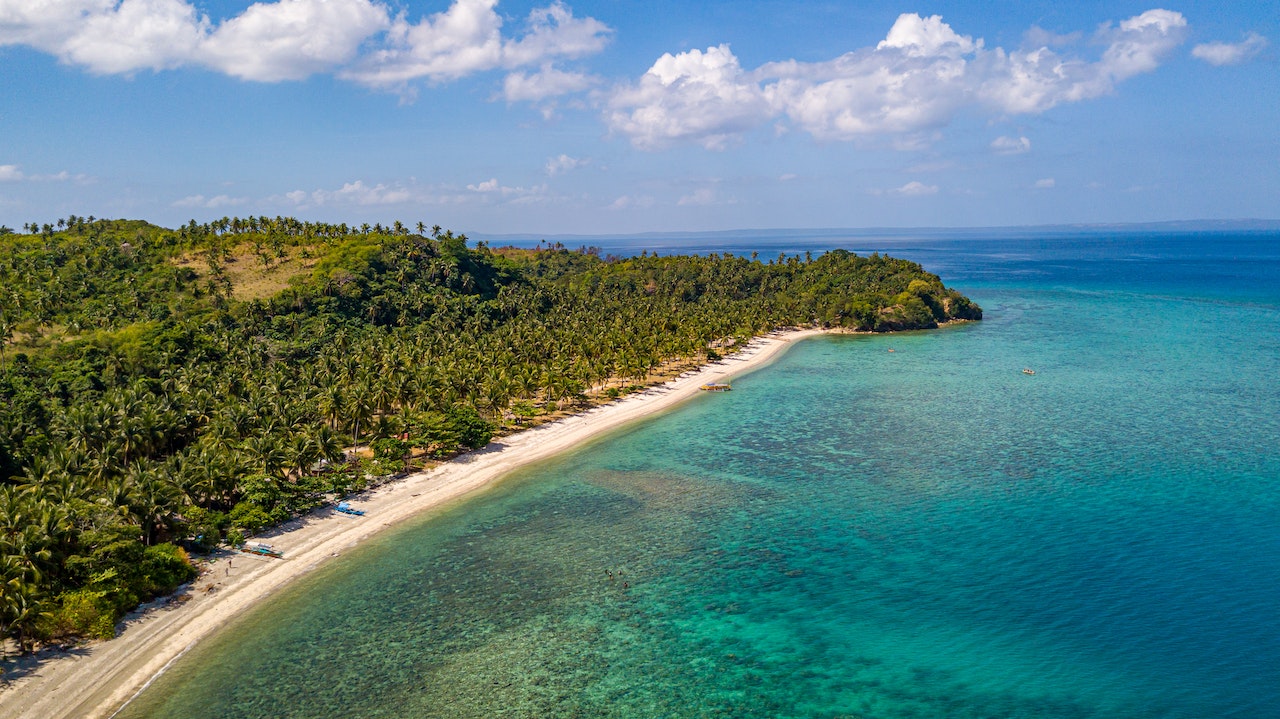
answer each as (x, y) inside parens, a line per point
(614, 117)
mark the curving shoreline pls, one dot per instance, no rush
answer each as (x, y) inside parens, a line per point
(98, 679)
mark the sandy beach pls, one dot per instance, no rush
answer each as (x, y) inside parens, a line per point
(97, 679)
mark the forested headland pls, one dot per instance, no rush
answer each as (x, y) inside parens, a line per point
(166, 391)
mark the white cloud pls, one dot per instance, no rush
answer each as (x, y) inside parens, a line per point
(1044, 184)
(486, 186)
(1004, 145)
(361, 194)
(926, 37)
(294, 39)
(1223, 53)
(358, 193)
(1037, 80)
(914, 188)
(627, 202)
(703, 97)
(462, 40)
(699, 197)
(283, 40)
(137, 35)
(491, 189)
(467, 38)
(555, 32)
(563, 163)
(546, 83)
(908, 86)
(787, 177)
(14, 173)
(211, 203)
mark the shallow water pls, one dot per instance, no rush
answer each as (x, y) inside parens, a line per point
(854, 532)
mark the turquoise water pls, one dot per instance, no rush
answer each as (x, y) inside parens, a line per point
(853, 532)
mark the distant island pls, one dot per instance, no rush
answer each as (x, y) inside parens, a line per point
(166, 391)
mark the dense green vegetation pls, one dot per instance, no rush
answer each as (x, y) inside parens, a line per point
(145, 411)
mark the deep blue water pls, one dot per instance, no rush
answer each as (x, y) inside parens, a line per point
(853, 532)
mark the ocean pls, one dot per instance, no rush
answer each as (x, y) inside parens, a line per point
(853, 531)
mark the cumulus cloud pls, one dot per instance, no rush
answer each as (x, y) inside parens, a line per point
(914, 188)
(14, 173)
(908, 86)
(467, 38)
(1223, 53)
(211, 203)
(700, 96)
(358, 193)
(294, 39)
(699, 197)
(491, 189)
(627, 202)
(1011, 145)
(546, 83)
(563, 163)
(555, 32)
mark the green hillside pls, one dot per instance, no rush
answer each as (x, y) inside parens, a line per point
(162, 391)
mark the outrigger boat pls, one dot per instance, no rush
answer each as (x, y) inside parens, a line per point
(263, 550)
(346, 508)
(715, 387)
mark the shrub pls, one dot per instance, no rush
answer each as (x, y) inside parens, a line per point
(249, 517)
(82, 613)
(472, 430)
(390, 449)
(205, 527)
(164, 568)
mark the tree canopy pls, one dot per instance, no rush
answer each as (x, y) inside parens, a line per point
(166, 390)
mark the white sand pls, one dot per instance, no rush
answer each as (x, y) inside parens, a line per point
(95, 681)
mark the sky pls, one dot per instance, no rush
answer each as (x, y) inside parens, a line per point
(611, 116)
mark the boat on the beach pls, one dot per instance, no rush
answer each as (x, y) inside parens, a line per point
(262, 549)
(346, 508)
(715, 387)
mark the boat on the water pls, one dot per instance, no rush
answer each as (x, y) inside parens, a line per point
(1028, 370)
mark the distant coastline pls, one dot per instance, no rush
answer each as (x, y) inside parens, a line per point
(922, 232)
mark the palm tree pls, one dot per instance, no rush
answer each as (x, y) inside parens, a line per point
(264, 454)
(6, 333)
(359, 408)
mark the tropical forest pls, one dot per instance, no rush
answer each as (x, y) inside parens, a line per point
(166, 392)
